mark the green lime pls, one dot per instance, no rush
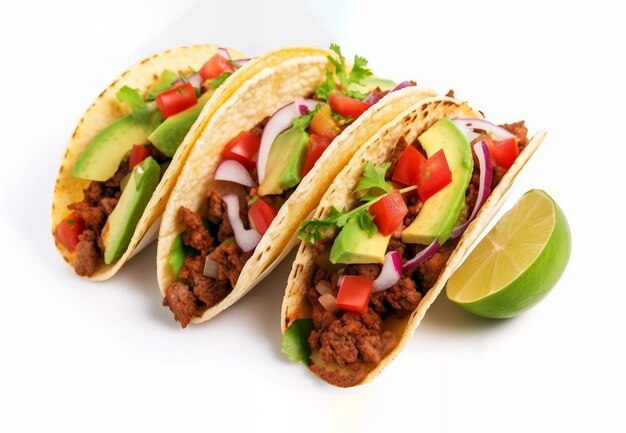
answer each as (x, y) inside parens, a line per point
(517, 263)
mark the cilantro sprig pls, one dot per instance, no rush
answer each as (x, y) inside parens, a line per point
(372, 181)
(133, 99)
(356, 75)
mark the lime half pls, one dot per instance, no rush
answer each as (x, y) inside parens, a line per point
(517, 263)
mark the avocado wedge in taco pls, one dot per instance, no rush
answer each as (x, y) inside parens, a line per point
(127, 150)
(390, 230)
(259, 169)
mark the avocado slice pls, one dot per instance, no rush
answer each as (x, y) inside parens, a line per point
(370, 83)
(441, 211)
(122, 222)
(169, 134)
(355, 245)
(284, 162)
(101, 159)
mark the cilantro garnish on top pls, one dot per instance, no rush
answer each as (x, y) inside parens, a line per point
(356, 75)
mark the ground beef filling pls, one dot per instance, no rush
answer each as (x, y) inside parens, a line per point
(354, 341)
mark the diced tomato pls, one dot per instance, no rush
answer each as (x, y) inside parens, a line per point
(317, 145)
(503, 152)
(408, 166)
(354, 293)
(215, 67)
(176, 99)
(261, 215)
(323, 124)
(68, 230)
(137, 154)
(388, 212)
(242, 148)
(433, 175)
(346, 106)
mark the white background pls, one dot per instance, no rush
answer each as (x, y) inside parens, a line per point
(81, 356)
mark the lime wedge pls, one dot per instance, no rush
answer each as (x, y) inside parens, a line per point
(517, 263)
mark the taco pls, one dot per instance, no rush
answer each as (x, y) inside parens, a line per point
(127, 151)
(260, 167)
(390, 230)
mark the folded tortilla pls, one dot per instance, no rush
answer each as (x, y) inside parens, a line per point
(378, 148)
(288, 74)
(104, 110)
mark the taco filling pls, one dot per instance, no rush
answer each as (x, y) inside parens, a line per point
(259, 170)
(377, 260)
(126, 160)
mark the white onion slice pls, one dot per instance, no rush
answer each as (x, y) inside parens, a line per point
(211, 268)
(422, 256)
(223, 52)
(392, 270)
(246, 239)
(329, 302)
(279, 121)
(468, 127)
(232, 171)
(324, 287)
(484, 187)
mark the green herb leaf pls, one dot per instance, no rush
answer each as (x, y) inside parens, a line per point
(358, 72)
(374, 177)
(295, 343)
(132, 98)
(253, 200)
(303, 122)
(366, 222)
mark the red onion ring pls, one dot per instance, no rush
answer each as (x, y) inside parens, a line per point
(391, 272)
(421, 257)
(246, 239)
(232, 171)
(469, 127)
(484, 187)
(279, 121)
(240, 62)
(223, 52)
(402, 85)
(372, 98)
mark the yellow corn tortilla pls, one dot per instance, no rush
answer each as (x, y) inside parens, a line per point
(299, 72)
(409, 124)
(105, 109)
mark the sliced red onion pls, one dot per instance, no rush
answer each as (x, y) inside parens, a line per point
(392, 270)
(246, 239)
(372, 98)
(484, 188)
(195, 80)
(211, 268)
(470, 127)
(240, 62)
(329, 302)
(323, 288)
(402, 85)
(302, 107)
(340, 280)
(421, 257)
(232, 171)
(279, 121)
(223, 52)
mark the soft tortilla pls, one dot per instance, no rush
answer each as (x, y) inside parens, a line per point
(106, 108)
(297, 75)
(409, 124)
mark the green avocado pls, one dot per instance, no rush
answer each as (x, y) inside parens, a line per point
(355, 245)
(440, 212)
(163, 83)
(101, 159)
(122, 222)
(370, 83)
(170, 134)
(284, 162)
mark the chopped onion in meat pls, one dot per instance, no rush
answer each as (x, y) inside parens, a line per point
(210, 267)
(329, 302)
(391, 272)
(246, 239)
(323, 287)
